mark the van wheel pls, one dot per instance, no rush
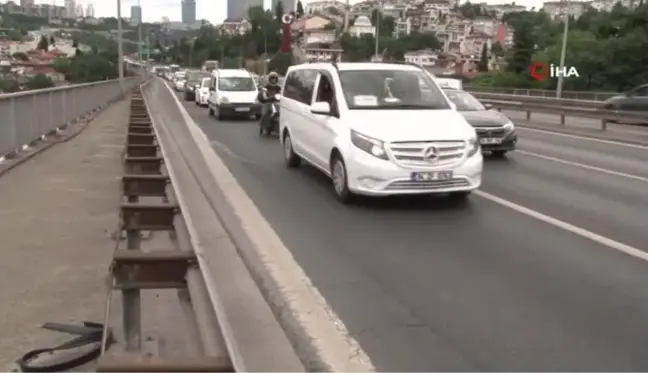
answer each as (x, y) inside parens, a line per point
(211, 112)
(291, 158)
(340, 181)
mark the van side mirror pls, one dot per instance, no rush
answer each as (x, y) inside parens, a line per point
(488, 106)
(321, 108)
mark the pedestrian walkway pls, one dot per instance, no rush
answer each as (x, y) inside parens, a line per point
(58, 212)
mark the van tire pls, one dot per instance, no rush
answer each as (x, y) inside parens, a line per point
(211, 112)
(292, 159)
(340, 180)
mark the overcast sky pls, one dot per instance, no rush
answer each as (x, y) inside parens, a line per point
(213, 10)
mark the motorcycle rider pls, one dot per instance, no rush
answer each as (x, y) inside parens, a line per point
(267, 98)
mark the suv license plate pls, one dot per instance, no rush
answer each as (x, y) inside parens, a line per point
(242, 109)
(490, 140)
(431, 176)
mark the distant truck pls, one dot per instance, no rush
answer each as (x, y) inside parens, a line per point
(210, 65)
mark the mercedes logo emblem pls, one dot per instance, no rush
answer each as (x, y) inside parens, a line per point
(431, 154)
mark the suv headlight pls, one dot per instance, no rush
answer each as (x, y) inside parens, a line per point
(473, 146)
(369, 144)
(509, 126)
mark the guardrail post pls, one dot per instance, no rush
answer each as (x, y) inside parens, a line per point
(562, 119)
(528, 115)
(603, 124)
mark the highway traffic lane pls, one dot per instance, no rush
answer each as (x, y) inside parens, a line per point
(626, 158)
(423, 285)
(611, 206)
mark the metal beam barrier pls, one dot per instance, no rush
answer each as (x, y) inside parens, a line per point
(134, 269)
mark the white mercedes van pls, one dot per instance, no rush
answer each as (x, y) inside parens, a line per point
(378, 129)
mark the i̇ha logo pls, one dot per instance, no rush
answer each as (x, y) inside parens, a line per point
(542, 71)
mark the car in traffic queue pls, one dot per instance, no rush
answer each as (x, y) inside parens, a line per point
(233, 93)
(179, 80)
(495, 130)
(201, 93)
(193, 81)
(635, 99)
(377, 129)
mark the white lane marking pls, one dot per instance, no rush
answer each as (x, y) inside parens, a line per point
(584, 166)
(225, 149)
(608, 142)
(634, 252)
(298, 296)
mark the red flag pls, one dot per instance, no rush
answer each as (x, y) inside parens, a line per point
(286, 40)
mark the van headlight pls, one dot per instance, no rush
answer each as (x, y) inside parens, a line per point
(473, 146)
(369, 145)
(224, 100)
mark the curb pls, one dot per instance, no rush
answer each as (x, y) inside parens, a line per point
(55, 137)
(581, 134)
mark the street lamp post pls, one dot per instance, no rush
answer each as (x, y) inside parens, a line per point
(120, 47)
(377, 36)
(563, 51)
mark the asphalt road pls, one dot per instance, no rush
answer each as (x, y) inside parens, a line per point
(424, 285)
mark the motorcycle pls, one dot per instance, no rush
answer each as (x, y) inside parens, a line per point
(268, 127)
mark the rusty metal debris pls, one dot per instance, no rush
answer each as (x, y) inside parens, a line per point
(134, 269)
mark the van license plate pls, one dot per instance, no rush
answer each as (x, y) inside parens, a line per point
(242, 109)
(490, 140)
(431, 176)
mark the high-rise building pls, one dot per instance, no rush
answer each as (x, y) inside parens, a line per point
(237, 9)
(79, 11)
(189, 12)
(136, 15)
(70, 9)
(90, 11)
(27, 3)
(288, 5)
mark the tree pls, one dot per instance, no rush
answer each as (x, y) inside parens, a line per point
(43, 44)
(497, 49)
(279, 11)
(300, 9)
(75, 44)
(39, 81)
(20, 56)
(51, 40)
(280, 63)
(482, 64)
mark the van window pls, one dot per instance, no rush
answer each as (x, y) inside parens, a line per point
(391, 89)
(300, 85)
(236, 84)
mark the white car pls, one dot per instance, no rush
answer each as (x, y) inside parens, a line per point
(378, 129)
(201, 94)
(233, 93)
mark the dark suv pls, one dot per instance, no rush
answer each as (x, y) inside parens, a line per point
(193, 79)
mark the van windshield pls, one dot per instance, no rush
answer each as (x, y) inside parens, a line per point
(391, 90)
(236, 84)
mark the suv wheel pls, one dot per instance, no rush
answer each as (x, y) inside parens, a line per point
(459, 196)
(291, 158)
(340, 181)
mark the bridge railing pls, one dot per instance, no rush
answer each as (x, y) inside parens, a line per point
(573, 95)
(26, 117)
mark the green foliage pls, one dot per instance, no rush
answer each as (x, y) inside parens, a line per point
(387, 23)
(43, 44)
(607, 49)
(51, 40)
(9, 86)
(280, 63)
(361, 49)
(482, 65)
(39, 81)
(22, 22)
(75, 44)
(279, 11)
(20, 56)
(300, 9)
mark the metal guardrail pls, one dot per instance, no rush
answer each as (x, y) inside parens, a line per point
(573, 95)
(149, 205)
(28, 116)
(538, 100)
(564, 108)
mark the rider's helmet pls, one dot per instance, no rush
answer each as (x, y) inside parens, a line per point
(273, 78)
